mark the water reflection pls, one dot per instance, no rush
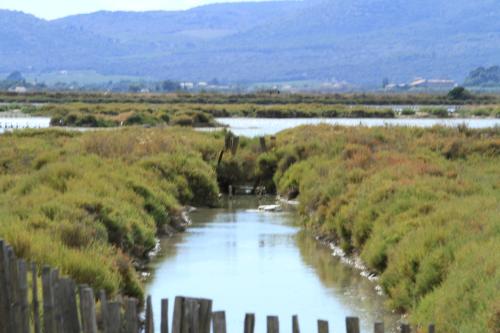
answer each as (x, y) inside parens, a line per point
(249, 261)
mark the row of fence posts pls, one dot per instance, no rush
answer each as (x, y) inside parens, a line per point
(68, 308)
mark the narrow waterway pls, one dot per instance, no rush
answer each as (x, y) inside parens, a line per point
(251, 261)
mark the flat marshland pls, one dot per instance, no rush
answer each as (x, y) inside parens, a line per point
(419, 206)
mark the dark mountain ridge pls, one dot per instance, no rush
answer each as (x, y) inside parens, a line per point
(360, 41)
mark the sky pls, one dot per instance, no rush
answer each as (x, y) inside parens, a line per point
(50, 9)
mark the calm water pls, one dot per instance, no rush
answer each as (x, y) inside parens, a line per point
(248, 261)
(12, 123)
(264, 126)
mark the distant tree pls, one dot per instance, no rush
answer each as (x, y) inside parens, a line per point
(170, 86)
(459, 93)
(15, 76)
(484, 77)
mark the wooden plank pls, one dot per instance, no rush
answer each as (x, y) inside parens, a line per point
(379, 328)
(149, 325)
(88, 314)
(219, 322)
(114, 318)
(205, 315)
(178, 314)
(405, 328)
(273, 324)
(432, 328)
(4, 290)
(48, 300)
(295, 324)
(249, 323)
(131, 319)
(322, 326)
(15, 302)
(352, 324)
(57, 299)
(36, 304)
(164, 316)
(22, 272)
(104, 311)
(235, 144)
(71, 323)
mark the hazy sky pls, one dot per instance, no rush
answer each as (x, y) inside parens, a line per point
(50, 9)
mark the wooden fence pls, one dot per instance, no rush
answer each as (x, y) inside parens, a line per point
(60, 306)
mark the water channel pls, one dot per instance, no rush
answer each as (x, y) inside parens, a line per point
(251, 261)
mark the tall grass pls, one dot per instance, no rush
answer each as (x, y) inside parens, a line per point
(91, 204)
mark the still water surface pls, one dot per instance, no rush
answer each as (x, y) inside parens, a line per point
(264, 126)
(13, 123)
(249, 261)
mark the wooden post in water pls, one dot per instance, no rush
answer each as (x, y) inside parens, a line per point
(131, 320)
(87, 306)
(164, 316)
(219, 322)
(177, 320)
(352, 324)
(432, 328)
(36, 304)
(150, 327)
(379, 328)
(205, 315)
(273, 324)
(262, 141)
(295, 324)
(249, 323)
(322, 326)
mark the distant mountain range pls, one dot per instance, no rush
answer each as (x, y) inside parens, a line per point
(359, 41)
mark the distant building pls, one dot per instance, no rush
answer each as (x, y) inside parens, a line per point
(187, 85)
(19, 89)
(433, 84)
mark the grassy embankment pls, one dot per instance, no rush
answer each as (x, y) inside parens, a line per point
(91, 203)
(199, 110)
(420, 206)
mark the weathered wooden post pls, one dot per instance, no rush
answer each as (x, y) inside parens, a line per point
(230, 191)
(379, 328)
(23, 296)
(273, 324)
(295, 324)
(36, 304)
(66, 295)
(322, 326)
(205, 315)
(352, 324)
(235, 144)
(48, 301)
(249, 323)
(87, 306)
(113, 320)
(131, 320)
(4, 290)
(405, 328)
(164, 316)
(262, 141)
(177, 320)
(15, 304)
(219, 322)
(104, 310)
(150, 327)
(432, 328)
